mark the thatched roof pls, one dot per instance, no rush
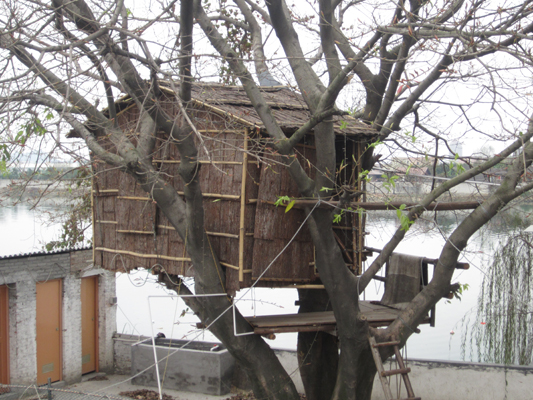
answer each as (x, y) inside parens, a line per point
(288, 107)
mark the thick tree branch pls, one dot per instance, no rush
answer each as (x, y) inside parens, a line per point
(413, 314)
(308, 81)
(327, 38)
(415, 212)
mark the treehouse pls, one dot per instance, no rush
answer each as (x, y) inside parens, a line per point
(242, 180)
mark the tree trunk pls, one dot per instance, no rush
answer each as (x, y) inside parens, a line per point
(318, 352)
(267, 376)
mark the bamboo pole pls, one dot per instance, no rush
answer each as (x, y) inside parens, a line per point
(98, 221)
(281, 279)
(305, 286)
(215, 195)
(243, 207)
(93, 211)
(132, 253)
(393, 205)
(201, 162)
(223, 113)
(293, 106)
(106, 191)
(221, 234)
(229, 266)
(137, 198)
(360, 231)
(136, 232)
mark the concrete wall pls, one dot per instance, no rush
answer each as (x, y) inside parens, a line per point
(122, 351)
(435, 380)
(444, 380)
(20, 274)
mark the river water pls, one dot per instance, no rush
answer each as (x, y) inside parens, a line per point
(145, 307)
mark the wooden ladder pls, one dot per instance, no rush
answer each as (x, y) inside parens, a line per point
(384, 374)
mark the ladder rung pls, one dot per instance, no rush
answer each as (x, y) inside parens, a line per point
(396, 372)
(386, 344)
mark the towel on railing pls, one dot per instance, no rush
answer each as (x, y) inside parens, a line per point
(403, 278)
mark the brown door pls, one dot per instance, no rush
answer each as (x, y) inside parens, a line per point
(89, 324)
(4, 335)
(49, 363)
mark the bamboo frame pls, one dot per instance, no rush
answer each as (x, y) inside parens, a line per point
(222, 112)
(201, 162)
(221, 234)
(218, 195)
(306, 287)
(360, 235)
(93, 217)
(106, 191)
(133, 254)
(242, 228)
(293, 106)
(136, 232)
(215, 195)
(229, 266)
(136, 198)
(283, 279)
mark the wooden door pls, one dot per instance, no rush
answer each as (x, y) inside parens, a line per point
(49, 363)
(4, 335)
(89, 324)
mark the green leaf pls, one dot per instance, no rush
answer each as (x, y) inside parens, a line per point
(325, 189)
(289, 206)
(282, 200)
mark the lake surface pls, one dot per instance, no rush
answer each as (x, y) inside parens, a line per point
(145, 307)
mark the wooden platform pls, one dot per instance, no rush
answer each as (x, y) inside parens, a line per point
(377, 315)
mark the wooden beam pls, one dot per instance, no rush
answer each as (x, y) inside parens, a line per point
(433, 261)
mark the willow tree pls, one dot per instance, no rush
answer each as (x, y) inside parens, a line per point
(501, 332)
(412, 70)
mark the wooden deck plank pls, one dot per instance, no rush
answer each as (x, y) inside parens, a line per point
(377, 315)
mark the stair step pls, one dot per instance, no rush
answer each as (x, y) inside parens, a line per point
(396, 372)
